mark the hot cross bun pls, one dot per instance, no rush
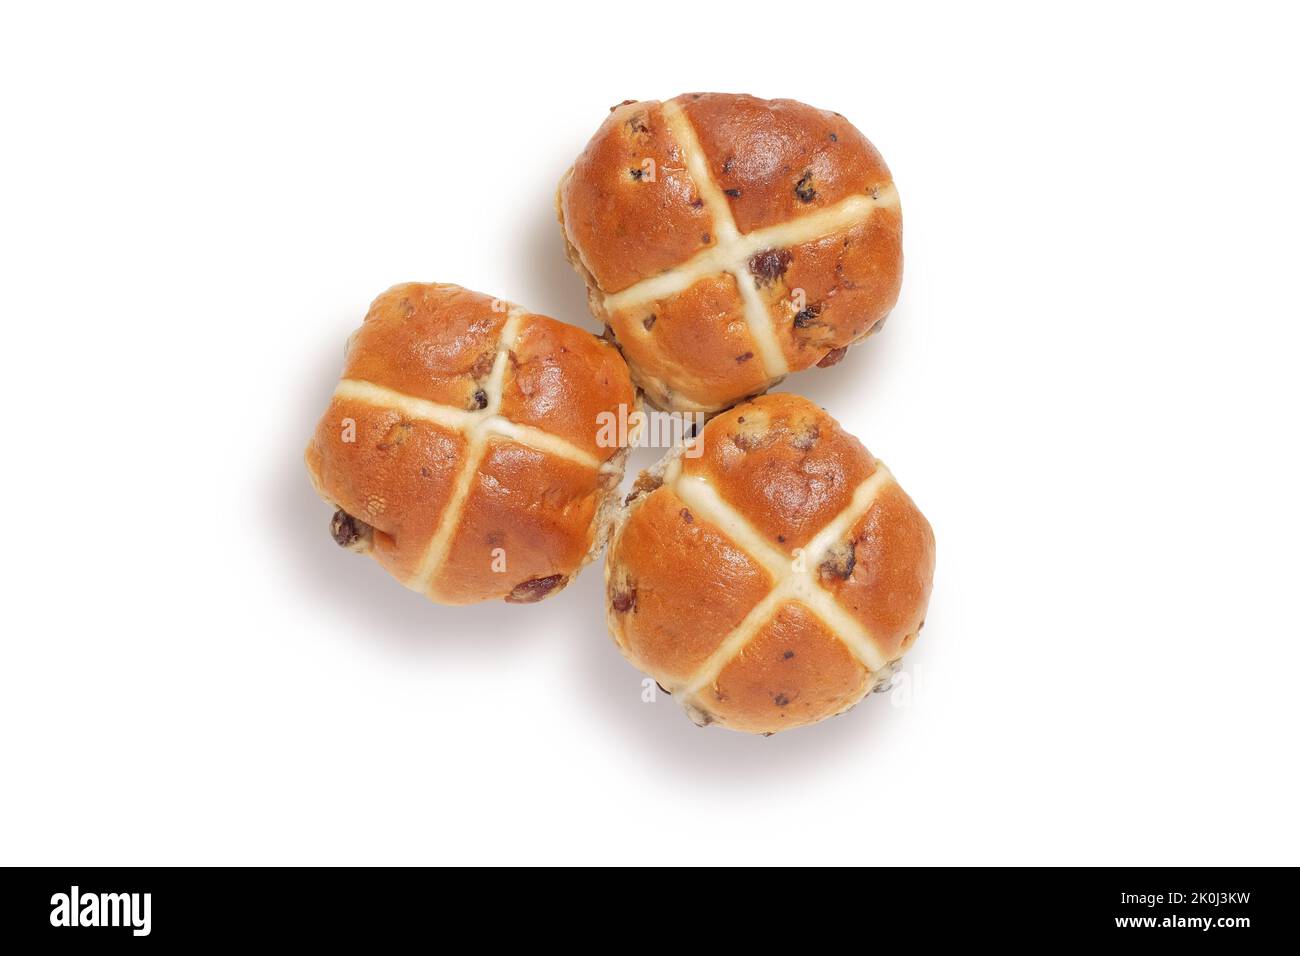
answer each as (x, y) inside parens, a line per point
(727, 240)
(772, 573)
(462, 447)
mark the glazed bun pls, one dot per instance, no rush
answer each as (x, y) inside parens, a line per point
(727, 240)
(462, 448)
(771, 574)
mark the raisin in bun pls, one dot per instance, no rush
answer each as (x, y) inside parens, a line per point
(462, 447)
(772, 574)
(727, 240)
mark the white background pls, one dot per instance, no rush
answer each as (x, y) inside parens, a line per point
(1089, 386)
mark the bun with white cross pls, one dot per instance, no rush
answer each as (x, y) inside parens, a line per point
(727, 240)
(772, 572)
(461, 447)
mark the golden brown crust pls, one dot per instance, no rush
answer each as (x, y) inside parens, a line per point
(392, 472)
(795, 671)
(429, 341)
(629, 206)
(464, 444)
(771, 581)
(776, 160)
(560, 379)
(847, 283)
(789, 202)
(663, 627)
(689, 346)
(785, 463)
(892, 569)
(527, 510)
